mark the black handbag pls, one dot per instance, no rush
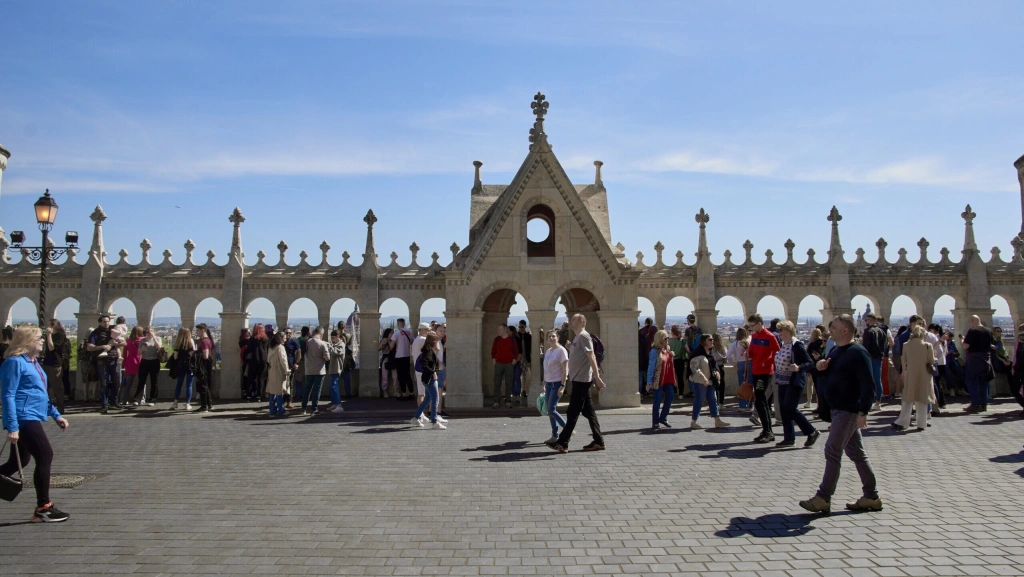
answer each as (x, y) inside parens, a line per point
(10, 487)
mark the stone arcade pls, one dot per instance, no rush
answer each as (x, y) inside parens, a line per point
(577, 262)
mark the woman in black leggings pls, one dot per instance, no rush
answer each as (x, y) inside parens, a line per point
(26, 407)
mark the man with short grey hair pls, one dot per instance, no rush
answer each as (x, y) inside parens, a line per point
(583, 372)
(317, 355)
(849, 389)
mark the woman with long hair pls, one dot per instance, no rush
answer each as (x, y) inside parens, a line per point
(661, 379)
(556, 371)
(704, 377)
(737, 357)
(184, 348)
(256, 362)
(207, 352)
(387, 364)
(278, 374)
(26, 406)
(430, 365)
(132, 358)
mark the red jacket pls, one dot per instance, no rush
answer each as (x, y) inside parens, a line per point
(504, 350)
(763, 346)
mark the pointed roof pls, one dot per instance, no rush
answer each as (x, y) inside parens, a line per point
(540, 157)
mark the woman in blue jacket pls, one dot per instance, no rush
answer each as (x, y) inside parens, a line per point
(26, 406)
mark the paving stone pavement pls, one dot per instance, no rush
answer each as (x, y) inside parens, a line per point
(233, 492)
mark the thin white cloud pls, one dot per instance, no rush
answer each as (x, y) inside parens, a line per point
(686, 161)
(919, 171)
(15, 185)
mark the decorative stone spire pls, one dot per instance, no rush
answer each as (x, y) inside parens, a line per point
(1017, 243)
(659, 249)
(394, 259)
(415, 250)
(1019, 165)
(167, 257)
(478, 184)
(97, 217)
(597, 173)
(790, 245)
(881, 244)
(324, 248)
(835, 248)
(260, 256)
(282, 247)
(538, 138)
(145, 245)
(455, 252)
(748, 247)
(236, 219)
(190, 247)
(968, 216)
(702, 219)
(923, 245)
(679, 258)
(370, 253)
(433, 260)
(640, 259)
(344, 258)
(209, 256)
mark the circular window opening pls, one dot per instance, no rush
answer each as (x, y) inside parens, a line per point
(538, 230)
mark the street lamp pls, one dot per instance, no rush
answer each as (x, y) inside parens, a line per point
(46, 214)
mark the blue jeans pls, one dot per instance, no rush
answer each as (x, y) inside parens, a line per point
(517, 380)
(442, 378)
(430, 398)
(105, 373)
(276, 404)
(741, 377)
(551, 400)
(663, 393)
(701, 391)
(789, 400)
(335, 389)
(313, 385)
(876, 374)
(182, 377)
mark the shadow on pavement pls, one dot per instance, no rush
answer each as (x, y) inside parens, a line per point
(769, 526)
(515, 457)
(507, 446)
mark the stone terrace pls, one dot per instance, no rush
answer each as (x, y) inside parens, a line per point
(236, 493)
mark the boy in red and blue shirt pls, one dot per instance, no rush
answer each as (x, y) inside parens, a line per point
(763, 346)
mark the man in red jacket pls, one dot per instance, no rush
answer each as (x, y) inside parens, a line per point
(504, 353)
(763, 346)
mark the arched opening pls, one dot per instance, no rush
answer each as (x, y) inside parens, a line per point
(303, 313)
(730, 311)
(432, 310)
(502, 307)
(676, 311)
(122, 307)
(261, 311)
(346, 310)
(861, 306)
(166, 316)
(65, 312)
(771, 307)
(646, 309)
(560, 316)
(23, 311)
(902, 309)
(808, 315)
(208, 311)
(1002, 316)
(540, 232)
(943, 311)
(391, 310)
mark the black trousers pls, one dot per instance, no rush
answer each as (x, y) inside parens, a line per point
(404, 366)
(1016, 381)
(580, 403)
(762, 393)
(32, 442)
(148, 369)
(680, 366)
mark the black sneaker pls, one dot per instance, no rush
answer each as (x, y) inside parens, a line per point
(812, 438)
(665, 424)
(594, 446)
(556, 446)
(765, 438)
(49, 514)
(103, 410)
(786, 443)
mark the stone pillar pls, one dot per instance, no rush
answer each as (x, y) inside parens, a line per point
(827, 314)
(188, 320)
(660, 313)
(962, 319)
(230, 368)
(282, 320)
(707, 319)
(369, 366)
(620, 366)
(144, 315)
(464, 377)
(539, 321)
(324, 319)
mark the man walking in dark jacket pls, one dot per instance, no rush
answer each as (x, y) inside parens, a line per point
(849, 392)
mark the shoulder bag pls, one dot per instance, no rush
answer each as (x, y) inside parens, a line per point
(10, 487)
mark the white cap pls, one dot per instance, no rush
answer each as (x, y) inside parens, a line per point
(424, 326)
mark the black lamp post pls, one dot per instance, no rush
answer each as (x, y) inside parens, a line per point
(46, 214)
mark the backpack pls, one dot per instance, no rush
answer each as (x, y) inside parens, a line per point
(419, 363)
(598, 349)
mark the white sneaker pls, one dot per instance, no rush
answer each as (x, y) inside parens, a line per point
(174, 406)
(188, 407)
(416, 422)
(337, 409)
(877, 406)
(442, 420)
(439, 425)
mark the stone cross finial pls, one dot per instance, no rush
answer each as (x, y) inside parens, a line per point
(370, 218)
(145, 245)
(540, 108)
(260, 255)
(621, 248)
(209, 256)
(996, 252)
(728, 255)
(324, 247)
(810, 255)
(189, 248)
(282, 247)
(98, 215)
(860, 254)
(455, 250)
(345, 256)
(968, 216)
(702, 218)
(1017, 243)
(834, 217)
(923, 245)
(748, 246)
(236, 219)
(834, 248)
(659, 248)
(303, 255)
(597, 173)
(945, 253)
(902, 253)
(369, 253)
(415, 250)
(433, 259)
(679, 258)
(394, 258)
(639, 258)
(123, 254)
(167, 256)
(881, 244)
(236, 216)
(768, 254)
(790, 245)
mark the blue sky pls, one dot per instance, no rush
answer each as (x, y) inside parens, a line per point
(306, 114)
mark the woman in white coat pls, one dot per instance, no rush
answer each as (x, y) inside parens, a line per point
(918, 367)
(278, 373)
